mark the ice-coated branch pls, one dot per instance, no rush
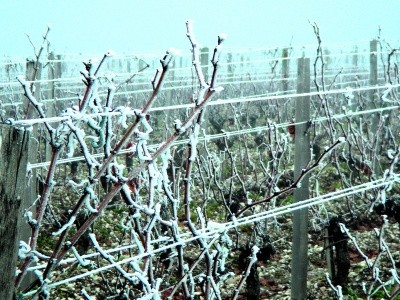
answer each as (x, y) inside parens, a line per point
(321, 88)
(297, 181)
(59, 251)
(86, 295)
(252, 261)
(195, 54)
(183, 239)
(38, 106)
(90, 81)
(47, 189)
(133, 278)
(372, 266)
(215, 58)
(144, 216)
(38, 54)
(129, 80)
(389, 58)
(337, 289)
(89, 159)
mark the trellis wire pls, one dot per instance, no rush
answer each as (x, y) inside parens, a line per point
(224, 227)
(256, 217)
(187, 54)
(214, 136)
(30, 122)
(183, 53)
(166, 88)
(180, 80)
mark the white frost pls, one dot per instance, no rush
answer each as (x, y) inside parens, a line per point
(23, 250)
(223, 36)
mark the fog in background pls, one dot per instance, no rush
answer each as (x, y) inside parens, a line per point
(94, 26)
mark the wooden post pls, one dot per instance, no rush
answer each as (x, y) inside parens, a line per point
(33, 73)
(128, 65)
(285, 69)
(355, 58)
(14, 149)
(373, 79)
(302, 158)
(171, 92)
(231, 67)
(36, 154)
(53, 72)
(204, 59)
(285, 83)
(142, 79)
(373, 98)
(329, 253)
(373, 63)
(242, 67)
(328, 58)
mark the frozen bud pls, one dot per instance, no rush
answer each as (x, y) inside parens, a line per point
(341, 139)
(390, 153)
(255, 249)
(174, 51)
(23, 250)
(20, 78)
(222, 37)
(9, 121)
(177, 123)
(298, 185)
(218, 89)
(189, 25)
(93, 60)
(110, 53)
(218, 48)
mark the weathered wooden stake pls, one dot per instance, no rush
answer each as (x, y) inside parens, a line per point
(373, 63)
(355, 58)
(231, 67)
(204, 61)
(285, 81)
(171, 77)
(14, 149)
(285, 69)
(373, 80)
(373, 100)
(53, 72)
(302, 158)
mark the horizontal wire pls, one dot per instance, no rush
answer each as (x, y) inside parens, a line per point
(243, 221)
(264, 79)
(140, 55)
(241, 62)
(227, 83)
(31, 122)
(276, 59)
(258, 129)
(287, 209)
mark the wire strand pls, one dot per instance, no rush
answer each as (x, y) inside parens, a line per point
(240, 222)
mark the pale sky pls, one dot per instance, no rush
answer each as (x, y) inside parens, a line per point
(95, 26)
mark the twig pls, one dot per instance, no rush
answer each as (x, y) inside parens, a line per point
(296, 181)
